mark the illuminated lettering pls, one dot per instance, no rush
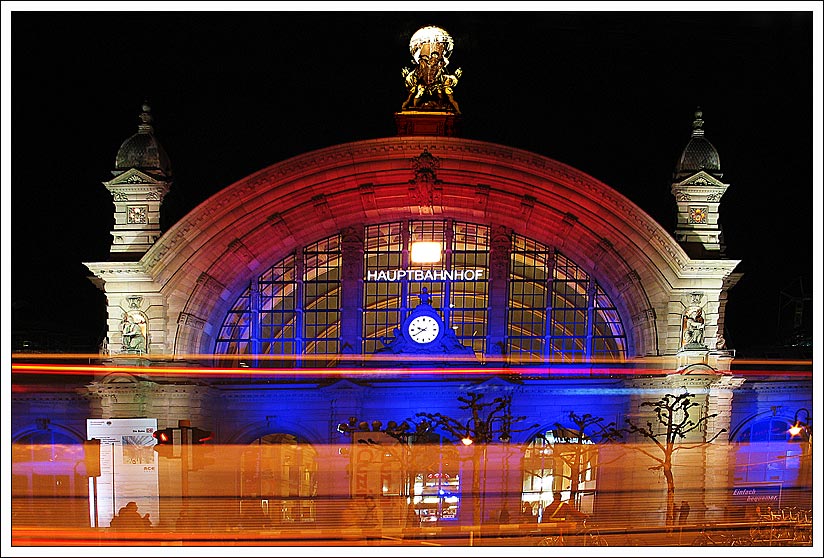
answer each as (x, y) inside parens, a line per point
(425, 275)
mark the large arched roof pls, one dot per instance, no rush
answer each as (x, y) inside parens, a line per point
(207, 258)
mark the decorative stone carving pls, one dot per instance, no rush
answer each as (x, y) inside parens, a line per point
(280, 226)
(322, 208)
(134, 329)
(527, 205)
(425, 188)
(367, 193)
(693, 322)
(352, 253)
(482, 196)
(191, 320)
(499, 253)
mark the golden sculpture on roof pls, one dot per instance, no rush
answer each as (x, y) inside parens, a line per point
(429, 86)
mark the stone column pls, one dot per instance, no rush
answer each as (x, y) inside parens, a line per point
(351, 304)
(499, 257)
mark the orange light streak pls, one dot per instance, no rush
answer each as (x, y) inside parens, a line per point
(541, 371)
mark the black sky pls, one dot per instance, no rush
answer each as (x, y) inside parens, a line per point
(610, 93)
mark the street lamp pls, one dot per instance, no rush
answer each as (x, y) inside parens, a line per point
(800, 426)
(802, 432)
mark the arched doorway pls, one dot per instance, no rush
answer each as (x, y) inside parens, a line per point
(560, 463)
(49, 482)
(278, 481)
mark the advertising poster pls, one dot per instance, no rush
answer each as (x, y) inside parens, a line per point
(128, 468)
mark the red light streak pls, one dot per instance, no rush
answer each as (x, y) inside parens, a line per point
(548, 370)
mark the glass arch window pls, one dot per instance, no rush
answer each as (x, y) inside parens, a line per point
(556, 310)
(294, 310)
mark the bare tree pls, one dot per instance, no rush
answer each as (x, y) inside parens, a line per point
(674, 422)
(573, 450)
(487, 423)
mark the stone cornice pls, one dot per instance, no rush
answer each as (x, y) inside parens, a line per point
(133, 270)
(700, 269)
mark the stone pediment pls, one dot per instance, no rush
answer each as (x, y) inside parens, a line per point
(494, 382)
(700, 179)
(342, 385)
(134, 177)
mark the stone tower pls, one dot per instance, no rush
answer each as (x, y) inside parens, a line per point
(697, 188)
(142, 176)
(135, 305)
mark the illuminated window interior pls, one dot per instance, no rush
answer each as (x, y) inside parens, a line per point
(554, 309)
(555, 464)
(426, 252)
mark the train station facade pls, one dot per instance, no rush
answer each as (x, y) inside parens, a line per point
(303, 295)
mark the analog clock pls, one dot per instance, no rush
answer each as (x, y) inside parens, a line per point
(698, 214)
(423, 329)
(137, 214)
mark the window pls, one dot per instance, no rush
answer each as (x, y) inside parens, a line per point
(278, 480)
(558, 463)
(48, 489)
(554, 309)
(767, 453)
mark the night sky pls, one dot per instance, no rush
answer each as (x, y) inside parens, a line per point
(610, 93)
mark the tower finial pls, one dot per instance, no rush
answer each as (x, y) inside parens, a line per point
(145, 126)
(698, 123)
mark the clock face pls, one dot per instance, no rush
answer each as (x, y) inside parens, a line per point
(423, 329)
(698, 214)
(137, 214)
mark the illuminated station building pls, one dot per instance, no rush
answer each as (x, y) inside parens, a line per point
(309, 292)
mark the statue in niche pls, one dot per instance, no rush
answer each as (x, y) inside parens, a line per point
(693, 330)
(134, 335)
(429, 86)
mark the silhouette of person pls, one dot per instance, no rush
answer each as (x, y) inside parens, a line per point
(372, 519)
(526, 514)
(557, 510)
(128, 518)
(413, 522)
(683, 512)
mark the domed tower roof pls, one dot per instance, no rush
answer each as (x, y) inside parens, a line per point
(142, 151)
(699, 154)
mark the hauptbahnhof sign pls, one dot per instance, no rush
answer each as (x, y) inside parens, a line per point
(426, 275)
